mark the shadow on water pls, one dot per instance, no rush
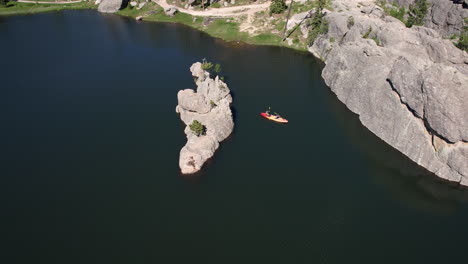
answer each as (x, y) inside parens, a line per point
(411, 184)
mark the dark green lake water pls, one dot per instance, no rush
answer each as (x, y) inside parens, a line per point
(89, 157)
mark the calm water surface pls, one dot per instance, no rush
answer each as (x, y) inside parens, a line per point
(89, 157)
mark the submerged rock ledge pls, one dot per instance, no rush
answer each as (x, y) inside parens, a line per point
(210, 105)
(409, 86)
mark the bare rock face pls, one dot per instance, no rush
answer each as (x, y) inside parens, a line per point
(110, 6)
(210, 105)
(444, 16)
(409, 87)
(171, 11)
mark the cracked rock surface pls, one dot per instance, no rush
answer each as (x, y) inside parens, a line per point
(409, 86)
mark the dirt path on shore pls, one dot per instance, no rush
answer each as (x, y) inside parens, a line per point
(219, 12)
(233, 11)
(49, 2)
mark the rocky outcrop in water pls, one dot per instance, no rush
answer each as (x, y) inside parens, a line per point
(210, 105)
(444, 16)
(408, 86)
(110, 6)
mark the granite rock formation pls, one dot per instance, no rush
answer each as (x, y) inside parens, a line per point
(210, 105)
(444, 16)
(110, 6)
(409, 86)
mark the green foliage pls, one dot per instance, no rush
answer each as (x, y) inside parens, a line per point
(332, 40)
(197, 128)
(377, 40)
(366, 35)
(214, 69)
(217, 68)
(206, 65)
(3, 2)
(16, 8)
(463, 41)
(213, 104)
(318, 23)
(453, 36)
(216, 5)
(417, 12)
(368, 32)
(398, 13)
(280, 25)
(350, 22)
(277, 6)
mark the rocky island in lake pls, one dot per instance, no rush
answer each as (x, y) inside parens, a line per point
(208, 117)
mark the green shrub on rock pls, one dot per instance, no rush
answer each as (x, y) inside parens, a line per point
(463, 42)
(217, 68)
(417, 13)
(206, 65)
(197, 128)
(318, 24)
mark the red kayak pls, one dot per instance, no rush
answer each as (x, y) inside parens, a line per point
(275, 118)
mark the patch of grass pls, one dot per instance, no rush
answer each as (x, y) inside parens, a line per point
(215, 5)
(224, 28)
(367, 33)
(265, 39)
(280, 25)
(376, 40)
(15, 8)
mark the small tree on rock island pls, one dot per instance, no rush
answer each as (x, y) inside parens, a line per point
(277, 6)
(206, 65)
(217, 68)
(197, 128)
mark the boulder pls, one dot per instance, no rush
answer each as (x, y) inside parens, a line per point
(171, 11)
(139, 18)
(210, 105)
(110, 6)
(296, 19)
(141, 5)
(133, 3)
